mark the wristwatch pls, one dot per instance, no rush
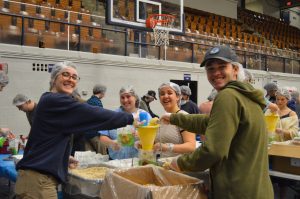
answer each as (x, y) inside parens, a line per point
(170, 147)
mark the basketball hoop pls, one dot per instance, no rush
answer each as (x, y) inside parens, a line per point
(161, 24)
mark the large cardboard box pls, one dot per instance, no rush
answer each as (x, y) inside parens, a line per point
(285, 158)
(151, 182)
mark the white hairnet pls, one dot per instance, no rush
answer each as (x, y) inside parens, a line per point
(57, 68)
(283, 92)
(185, 90)
(130, 90)
(20, 99)
(174, 86)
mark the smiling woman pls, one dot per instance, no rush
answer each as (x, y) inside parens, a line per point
(58, 116)
(129, 102)
(64, 78)
(172, 140)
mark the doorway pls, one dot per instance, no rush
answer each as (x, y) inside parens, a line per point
(193, 86)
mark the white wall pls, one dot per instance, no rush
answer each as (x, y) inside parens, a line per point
(226, 8)
(113, 71)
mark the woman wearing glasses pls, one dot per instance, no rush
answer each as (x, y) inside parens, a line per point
(58, 115)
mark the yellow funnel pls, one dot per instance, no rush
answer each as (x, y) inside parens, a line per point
(147, 136)
(271, 121)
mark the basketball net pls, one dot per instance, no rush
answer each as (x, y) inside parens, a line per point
(161, 24)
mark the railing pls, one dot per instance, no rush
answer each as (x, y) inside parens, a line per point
(73, 34)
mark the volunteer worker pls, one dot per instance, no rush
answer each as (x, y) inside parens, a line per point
(58, 115)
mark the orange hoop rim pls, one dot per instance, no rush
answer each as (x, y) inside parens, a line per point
(151, 22)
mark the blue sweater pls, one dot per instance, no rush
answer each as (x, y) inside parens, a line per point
(57, 117)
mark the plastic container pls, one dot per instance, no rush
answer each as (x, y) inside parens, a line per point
(147, 157)
(13, 146)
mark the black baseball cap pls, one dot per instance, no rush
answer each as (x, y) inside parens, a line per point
(151, 93)
(224, 53)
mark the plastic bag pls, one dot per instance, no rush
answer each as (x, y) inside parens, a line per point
(126, 135)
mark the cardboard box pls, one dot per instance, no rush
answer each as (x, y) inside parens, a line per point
(150, 182)
(285, 157)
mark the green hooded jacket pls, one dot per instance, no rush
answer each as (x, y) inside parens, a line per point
(235, 149)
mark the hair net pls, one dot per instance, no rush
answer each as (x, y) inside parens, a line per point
(270, 86)
(174, 86)
(283, 92)
(130, 90)
(20, 99)
(99, 88)
(57, 68)
(295, 95)
(3, 78)
(212, 95)
(185, 90)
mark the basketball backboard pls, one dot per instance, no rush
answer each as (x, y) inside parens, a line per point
(133, 13)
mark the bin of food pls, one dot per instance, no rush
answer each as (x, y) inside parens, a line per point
(86, 181)
(151, 182)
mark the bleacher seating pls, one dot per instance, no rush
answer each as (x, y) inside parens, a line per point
(251, 33)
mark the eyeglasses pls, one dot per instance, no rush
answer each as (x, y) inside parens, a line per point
(67, 76)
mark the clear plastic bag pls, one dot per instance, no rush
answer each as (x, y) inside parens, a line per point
(126, 136)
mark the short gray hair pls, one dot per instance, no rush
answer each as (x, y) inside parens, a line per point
(3, 78)
(99, 88)
(57, 68)
(20, 99)
(130, 90)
